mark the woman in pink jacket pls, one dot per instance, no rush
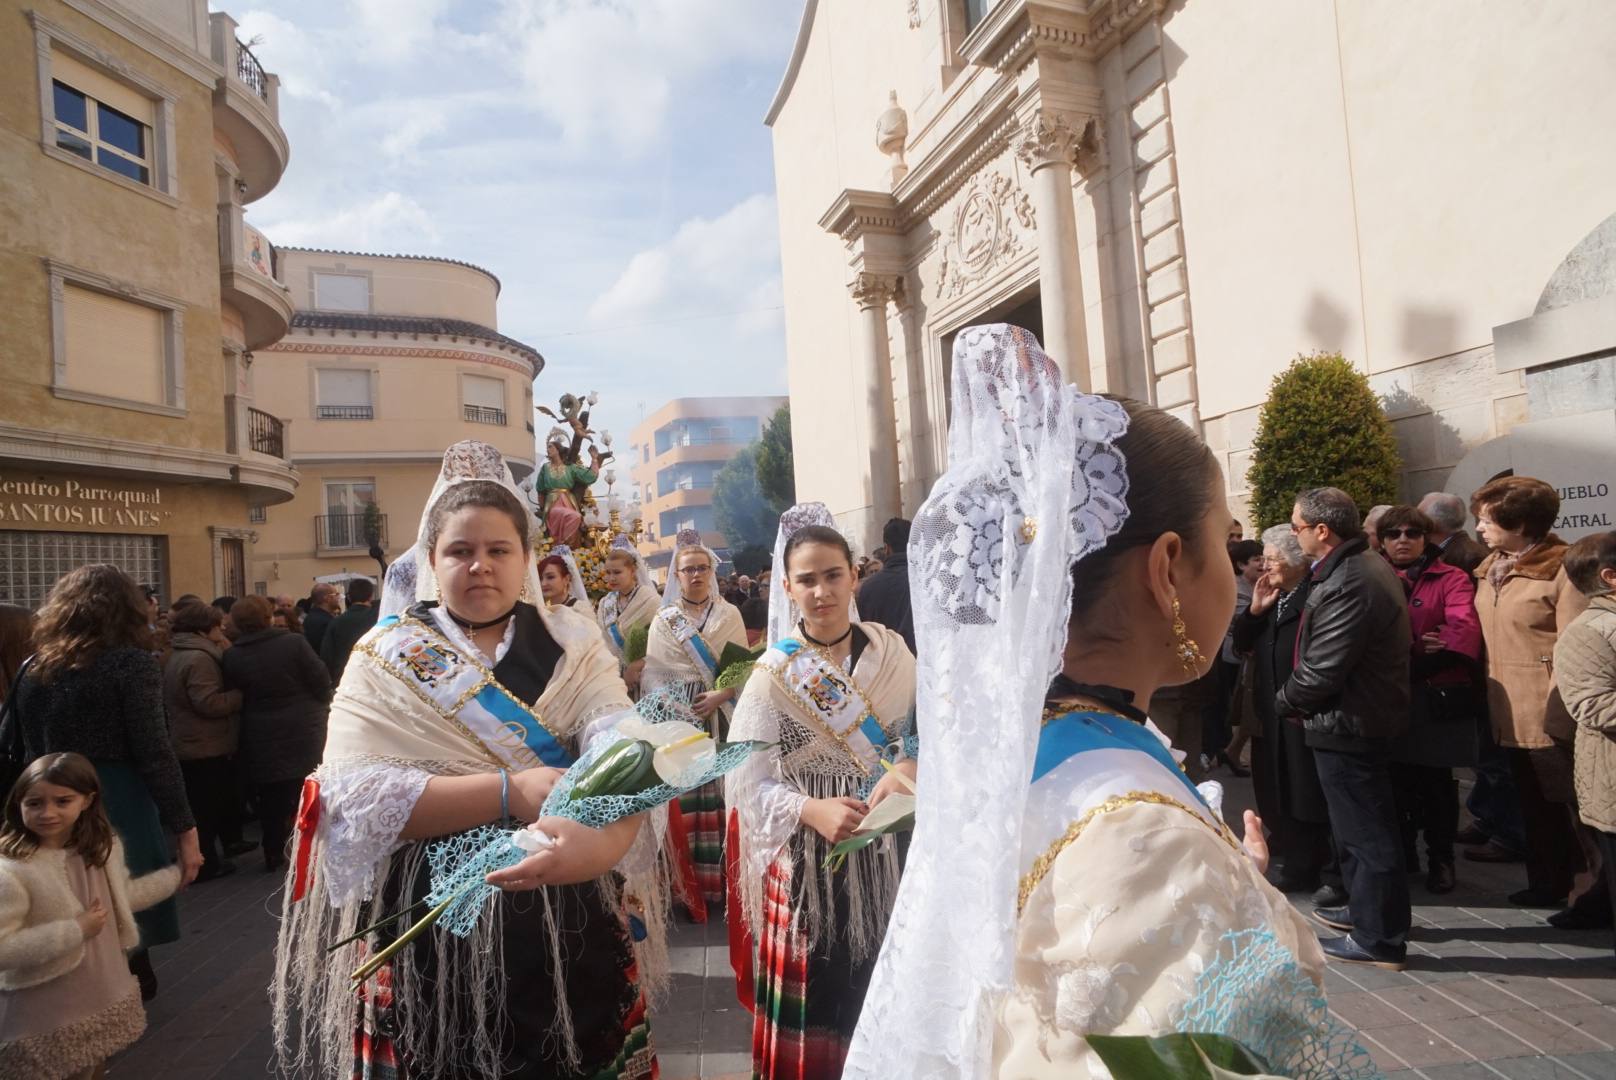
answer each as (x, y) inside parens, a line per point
(1446, 699)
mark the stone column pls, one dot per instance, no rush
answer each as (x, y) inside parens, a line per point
(1047, 144)
(873, 292)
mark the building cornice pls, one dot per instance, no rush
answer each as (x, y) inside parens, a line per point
(799, 49)
(139, 32)
(337, 344)
(58, 449)
(1014, 30)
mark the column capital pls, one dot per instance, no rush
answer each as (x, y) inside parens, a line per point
(1049, 137)
(874, 290)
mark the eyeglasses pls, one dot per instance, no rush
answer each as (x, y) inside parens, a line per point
(695, 571)
(1295, 528)
(1402, 534)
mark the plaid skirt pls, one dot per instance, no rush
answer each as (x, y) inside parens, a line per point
(703, 813)
(807, 999)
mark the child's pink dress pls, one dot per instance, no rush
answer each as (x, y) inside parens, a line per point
(86, 1015)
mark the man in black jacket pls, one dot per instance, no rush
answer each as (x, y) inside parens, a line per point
(346, 629)
(1350, 687)
(325, 604)
(884, 598)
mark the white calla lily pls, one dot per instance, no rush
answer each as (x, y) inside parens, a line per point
(679, 762)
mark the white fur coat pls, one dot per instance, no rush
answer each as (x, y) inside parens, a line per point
(40, 937)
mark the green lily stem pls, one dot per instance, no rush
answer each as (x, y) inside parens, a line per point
(371, 966)
(377, 925)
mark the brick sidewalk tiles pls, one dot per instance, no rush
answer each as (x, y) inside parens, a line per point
(1491, 991)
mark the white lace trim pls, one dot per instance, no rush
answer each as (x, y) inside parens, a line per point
(363, 809)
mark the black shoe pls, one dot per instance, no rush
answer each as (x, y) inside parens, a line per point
(1336, 918)
(1580, 917)
(1494, 852)
(1285, 883)
(239, 847)
(1441, 879)
(216, 869)
(1232, 765)
(141, 967)
(1329, 896)
(1472, 835)
(1349, 951)
(1537, 898)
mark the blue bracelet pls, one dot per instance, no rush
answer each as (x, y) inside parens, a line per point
(504, 796)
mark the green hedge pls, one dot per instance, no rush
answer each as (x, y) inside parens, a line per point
(1321, 426)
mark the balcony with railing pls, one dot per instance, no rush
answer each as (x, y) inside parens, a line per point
(350, 531)
(265, 434)
(344, 412)
(246, 108)
(485, 414)
(249, 278)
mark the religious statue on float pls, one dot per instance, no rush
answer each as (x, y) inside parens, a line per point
(560, 487)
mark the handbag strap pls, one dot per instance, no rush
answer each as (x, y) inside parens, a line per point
(11, 715)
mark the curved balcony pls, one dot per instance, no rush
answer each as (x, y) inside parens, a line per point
(246, 108)
(248, 282)
(262, 447)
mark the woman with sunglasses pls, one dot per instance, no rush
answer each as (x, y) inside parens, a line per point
(1444, 701)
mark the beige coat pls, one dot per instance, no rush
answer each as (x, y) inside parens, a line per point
(1520, 622)
(1585, 668)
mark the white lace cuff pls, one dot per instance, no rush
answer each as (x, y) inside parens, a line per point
(363, 810)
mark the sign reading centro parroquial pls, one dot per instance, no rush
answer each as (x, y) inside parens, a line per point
(80, 503)
(1576, 455)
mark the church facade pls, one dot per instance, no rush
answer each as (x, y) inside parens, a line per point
(1180, 197)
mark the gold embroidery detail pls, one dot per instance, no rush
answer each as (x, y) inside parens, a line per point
(1042, 864)
(489, 680)
(366, 649)
(1029, 529)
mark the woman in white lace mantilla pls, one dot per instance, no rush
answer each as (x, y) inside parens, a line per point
(1065, 878)
(686, 642)
(459, 710)
(836, 697)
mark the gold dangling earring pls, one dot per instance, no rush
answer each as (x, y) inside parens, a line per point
(525, 596)
(1184, 646)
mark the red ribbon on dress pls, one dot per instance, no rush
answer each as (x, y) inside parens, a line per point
(308, 817)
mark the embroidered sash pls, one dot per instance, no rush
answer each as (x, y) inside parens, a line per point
(1074, 733)
(828, 694)
(695, 647)
(466, 694)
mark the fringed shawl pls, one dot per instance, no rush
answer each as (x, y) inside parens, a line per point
(810, 762)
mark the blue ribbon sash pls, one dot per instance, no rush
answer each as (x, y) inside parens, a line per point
(1073, 733)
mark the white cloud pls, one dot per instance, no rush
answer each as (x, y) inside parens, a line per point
(299, 57)
(399, 29)
(607, 70)
(391, 222)
(728, 265)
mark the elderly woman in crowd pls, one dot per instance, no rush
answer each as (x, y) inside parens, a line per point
(1585, 665)
(202, 725)
(1282, 761)
(285, 692)
(1444, 702)
(1524, 600)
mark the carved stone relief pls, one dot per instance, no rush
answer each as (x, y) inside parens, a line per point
(983, 229)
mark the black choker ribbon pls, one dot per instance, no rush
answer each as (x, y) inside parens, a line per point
(467, 624)
(824, 644)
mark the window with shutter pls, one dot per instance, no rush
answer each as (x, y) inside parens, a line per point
(115, 347)
(484, 399)
(341, 292)
(343, 394)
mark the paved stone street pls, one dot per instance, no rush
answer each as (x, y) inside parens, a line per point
(1491, 991)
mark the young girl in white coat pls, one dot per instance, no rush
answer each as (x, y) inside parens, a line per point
(67, 904)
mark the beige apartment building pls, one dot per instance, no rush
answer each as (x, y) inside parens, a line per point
(132, 135)
(675, 453)
(1180, 196)
(389, 360)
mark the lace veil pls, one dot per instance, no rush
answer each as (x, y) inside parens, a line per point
(783, 611)
(410, 578)
(688, 538)
(1033, 484)
(642, 573)
(575, 580)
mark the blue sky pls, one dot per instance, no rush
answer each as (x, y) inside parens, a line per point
(605, 158)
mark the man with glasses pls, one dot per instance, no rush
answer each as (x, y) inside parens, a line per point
(1350, 689)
